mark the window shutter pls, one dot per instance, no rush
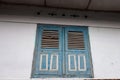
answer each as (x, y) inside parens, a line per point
(48, 56)
(76, 52)
(62, 52)
(75, 40)
(50, 39)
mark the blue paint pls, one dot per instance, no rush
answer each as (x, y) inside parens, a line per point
(54, 62)
(44, 62)
(72, 62)
(62, 52)
(82, 63)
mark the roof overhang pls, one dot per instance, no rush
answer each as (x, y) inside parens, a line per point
(63, 13)
(87, 5)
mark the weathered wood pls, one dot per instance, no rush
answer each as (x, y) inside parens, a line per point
(75, 40)
(50, 39)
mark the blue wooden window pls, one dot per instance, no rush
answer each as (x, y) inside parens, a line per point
(62, 52)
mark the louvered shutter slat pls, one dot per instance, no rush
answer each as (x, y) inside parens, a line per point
(50, 39)
(75, 40)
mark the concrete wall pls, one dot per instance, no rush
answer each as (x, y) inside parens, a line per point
(105, 49)
(17, 45)
(16, 50)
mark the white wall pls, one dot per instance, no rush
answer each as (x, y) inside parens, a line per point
(16, 50)
(105, 49)
(17, 45)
